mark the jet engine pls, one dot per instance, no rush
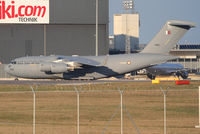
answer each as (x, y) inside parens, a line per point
(55, 68)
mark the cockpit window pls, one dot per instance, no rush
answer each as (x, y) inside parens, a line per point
(13, 62)
(25, 62)
(60, 58)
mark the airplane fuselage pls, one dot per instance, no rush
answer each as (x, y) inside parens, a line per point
(95, 67)
(165, 69)
(30, 67)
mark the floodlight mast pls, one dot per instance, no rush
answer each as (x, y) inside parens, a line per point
(128, 7)
(97, 24)
(45, 40)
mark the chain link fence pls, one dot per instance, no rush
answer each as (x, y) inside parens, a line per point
(3, 74)
(56, 112)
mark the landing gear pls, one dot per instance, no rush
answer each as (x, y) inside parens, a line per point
(151, 76)
(183, 74)
(16, 79)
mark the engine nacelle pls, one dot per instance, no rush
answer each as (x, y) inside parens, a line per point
(55, 68)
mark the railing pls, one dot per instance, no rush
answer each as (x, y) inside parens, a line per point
(99, 111)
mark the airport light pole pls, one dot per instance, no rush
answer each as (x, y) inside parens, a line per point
(97, 25)
(165, 109)
(34, 115)
(78, 110)
(45, 40)
(199, 110)
(121, 105)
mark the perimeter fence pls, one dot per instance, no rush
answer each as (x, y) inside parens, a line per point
(3, 74)
(98, 112)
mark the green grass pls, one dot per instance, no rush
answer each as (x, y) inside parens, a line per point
(104, 86)
(57, 111)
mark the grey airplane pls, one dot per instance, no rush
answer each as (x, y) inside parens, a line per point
(167, 69)
(96, 67)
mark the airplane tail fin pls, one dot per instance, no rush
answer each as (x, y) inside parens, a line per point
(168, 36)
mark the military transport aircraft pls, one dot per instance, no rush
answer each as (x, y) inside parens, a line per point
(95, 67)
(167, 69)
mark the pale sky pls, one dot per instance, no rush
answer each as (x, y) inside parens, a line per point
(154, 14)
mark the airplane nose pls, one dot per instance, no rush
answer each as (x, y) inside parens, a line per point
(7, 68)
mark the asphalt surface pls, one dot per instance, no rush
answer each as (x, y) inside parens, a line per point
(62, 82)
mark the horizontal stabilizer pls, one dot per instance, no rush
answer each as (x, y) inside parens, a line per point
(168, 37)
(182, 24)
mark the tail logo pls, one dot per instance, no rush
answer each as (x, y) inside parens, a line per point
(168, 32)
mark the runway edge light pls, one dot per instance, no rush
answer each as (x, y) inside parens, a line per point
(155, 81)
(182, 82)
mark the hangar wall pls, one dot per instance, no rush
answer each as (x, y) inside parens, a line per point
(71, 31)
(78, 11)
(20, 40)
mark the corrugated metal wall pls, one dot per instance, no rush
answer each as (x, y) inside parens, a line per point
(71, 31)
(75, 39)
(20, 40)
(78, 11)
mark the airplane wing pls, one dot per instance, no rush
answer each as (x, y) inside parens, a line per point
(61, 64)
(77, 61)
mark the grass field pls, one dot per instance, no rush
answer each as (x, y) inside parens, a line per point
(56, 111)
(104, 86)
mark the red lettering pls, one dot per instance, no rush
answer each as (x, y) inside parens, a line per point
(13, 9)
(29, 13)
(38, 9)
(20, 10)
(5, 11)
(0, 10)
(8, 10)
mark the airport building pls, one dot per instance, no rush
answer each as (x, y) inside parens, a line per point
(189, 56)
(111, 43)
(71, 31)
(126, 32)
(126, 28)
